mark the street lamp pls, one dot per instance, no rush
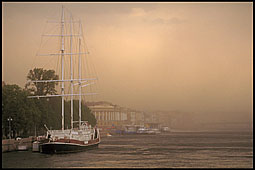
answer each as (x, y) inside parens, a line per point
(9, 119)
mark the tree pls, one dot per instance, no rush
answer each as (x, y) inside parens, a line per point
(29, 114)
(22, 110)
(51, 107)
(41, 88)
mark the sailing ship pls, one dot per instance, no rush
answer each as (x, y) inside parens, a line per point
(84, 136)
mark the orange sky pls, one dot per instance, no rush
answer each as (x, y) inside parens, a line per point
(150, 56)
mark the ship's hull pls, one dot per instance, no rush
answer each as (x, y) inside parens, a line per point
(62, 147)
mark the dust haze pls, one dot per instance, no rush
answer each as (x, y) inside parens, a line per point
(192, 60)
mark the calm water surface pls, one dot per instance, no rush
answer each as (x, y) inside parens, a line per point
(173, 150)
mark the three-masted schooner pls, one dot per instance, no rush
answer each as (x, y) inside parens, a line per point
(73, 139)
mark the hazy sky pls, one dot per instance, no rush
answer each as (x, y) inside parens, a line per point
(193, 57)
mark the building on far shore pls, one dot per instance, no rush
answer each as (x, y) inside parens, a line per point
(110, 115)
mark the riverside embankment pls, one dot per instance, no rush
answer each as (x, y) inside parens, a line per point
(12, 144)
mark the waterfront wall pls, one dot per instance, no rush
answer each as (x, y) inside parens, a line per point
(12, 144)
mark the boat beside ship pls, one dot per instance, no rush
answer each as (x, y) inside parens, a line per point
(144, 130)
(136, 130)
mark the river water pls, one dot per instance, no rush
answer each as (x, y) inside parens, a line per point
(166, 150)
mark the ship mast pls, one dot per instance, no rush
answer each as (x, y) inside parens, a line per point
(71, 71)
(79, 70)
(71, 80)
(62, 65)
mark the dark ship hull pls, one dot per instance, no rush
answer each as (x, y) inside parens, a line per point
(67, 146)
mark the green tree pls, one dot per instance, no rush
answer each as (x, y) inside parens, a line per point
(22, 110)
(30, 114)
(41, 88)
